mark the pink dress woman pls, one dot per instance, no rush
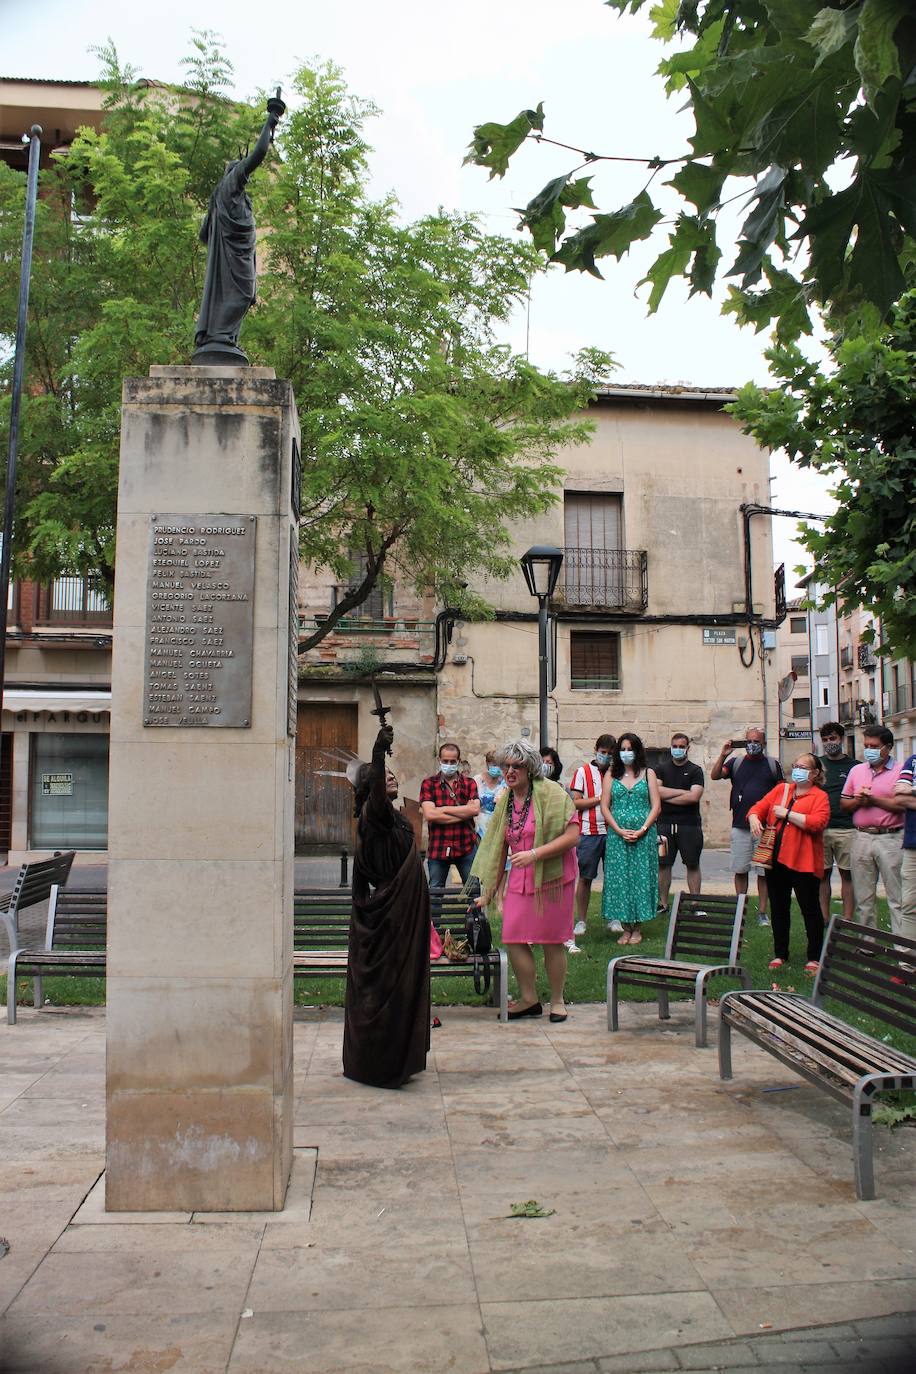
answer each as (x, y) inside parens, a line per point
(525, 921)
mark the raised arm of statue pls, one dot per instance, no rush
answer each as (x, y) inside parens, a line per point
(231, 273)
(259, 151)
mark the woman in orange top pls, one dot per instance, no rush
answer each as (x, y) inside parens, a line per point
(801, 811)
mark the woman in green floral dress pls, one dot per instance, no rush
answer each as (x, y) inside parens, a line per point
(630, 803)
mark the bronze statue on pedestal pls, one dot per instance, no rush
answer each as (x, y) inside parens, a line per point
(229, 233)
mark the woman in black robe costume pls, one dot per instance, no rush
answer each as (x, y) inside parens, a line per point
(386, 1023)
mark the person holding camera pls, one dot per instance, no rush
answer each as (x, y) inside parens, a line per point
(751, 779)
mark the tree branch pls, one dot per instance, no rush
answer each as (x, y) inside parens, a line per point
(356, 595)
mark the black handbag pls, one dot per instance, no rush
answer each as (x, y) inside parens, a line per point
(480, 941)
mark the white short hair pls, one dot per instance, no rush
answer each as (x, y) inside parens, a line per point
(521, 751)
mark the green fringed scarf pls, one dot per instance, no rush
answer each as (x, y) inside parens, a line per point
(553, 810)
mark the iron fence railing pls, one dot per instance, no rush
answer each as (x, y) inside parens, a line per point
(607, 579)
(900, 699)
(74, 601)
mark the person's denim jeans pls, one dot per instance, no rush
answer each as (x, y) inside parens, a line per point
(438, 871)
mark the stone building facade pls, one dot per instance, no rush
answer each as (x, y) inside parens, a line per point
(652, 625)
(840, 676)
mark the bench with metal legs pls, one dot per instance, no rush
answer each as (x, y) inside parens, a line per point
(866, 969)
(704, 942)
(36, 882)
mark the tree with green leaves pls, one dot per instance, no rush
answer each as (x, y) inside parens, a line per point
(807, 109)
(854, 423)
(422, 435)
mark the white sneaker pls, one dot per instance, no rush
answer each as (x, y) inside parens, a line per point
(572, 947)
(579, 928)
(614, 928)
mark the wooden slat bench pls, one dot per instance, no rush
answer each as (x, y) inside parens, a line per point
(704, 941)
(36, 882)
(321, 922)
(862, 968)
(74, 944)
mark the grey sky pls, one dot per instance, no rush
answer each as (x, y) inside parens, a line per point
(434, 70)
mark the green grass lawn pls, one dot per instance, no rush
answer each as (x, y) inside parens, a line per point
(586, 982)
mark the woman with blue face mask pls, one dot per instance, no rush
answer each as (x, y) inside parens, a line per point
(630, 803)
(800, 809)
(552, 765)
(490, 784)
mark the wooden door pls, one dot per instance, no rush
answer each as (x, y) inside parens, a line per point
(324, 804)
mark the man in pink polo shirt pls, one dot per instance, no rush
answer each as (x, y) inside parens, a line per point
(877, 814)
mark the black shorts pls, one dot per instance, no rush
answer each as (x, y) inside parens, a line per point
(590, 853)
(686, 840)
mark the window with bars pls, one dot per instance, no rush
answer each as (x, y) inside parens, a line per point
(800, 664)
(594, 658)
(74, 601)
(376, 606)
(801, 708)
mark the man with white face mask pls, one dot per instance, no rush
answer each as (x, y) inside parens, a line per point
(450, 805)
(837, 766)
(877, 814)
(680, 785)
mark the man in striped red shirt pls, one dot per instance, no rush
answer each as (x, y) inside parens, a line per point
(585, 790)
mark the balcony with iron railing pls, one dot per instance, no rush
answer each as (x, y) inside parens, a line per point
(604, 580)
(900, 699)
(847, 713)
(73, 601)
(846, 656)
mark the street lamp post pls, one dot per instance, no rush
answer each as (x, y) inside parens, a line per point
(541, 566)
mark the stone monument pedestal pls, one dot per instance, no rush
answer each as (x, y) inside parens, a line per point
(200, 872)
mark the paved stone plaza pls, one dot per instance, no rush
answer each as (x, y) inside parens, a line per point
(693, 1220)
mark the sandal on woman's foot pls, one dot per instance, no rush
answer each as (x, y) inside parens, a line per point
(435, 1023)
(556, 1016)
(775, 963)
(625, 938)
(636, 938)
(812, 968)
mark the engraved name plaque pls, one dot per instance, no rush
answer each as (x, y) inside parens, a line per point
(199, 619)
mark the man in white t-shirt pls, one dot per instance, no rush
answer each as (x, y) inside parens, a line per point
(585, 790)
